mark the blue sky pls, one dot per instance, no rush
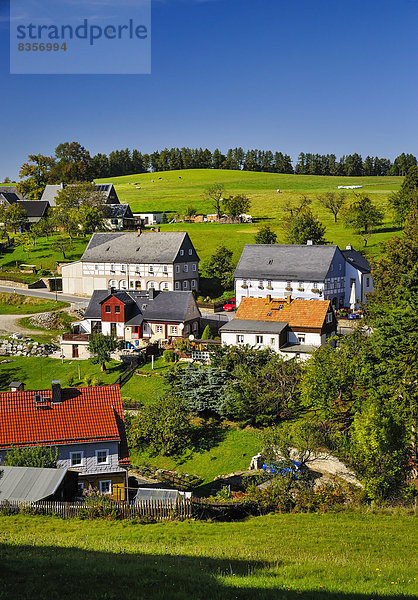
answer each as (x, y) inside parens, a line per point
(314, 76)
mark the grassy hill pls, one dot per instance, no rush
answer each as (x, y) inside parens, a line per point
(173, 191)
(342, 556)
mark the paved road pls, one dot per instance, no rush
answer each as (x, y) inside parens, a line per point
(48, 295)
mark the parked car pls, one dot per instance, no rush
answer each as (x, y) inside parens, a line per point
(229, 305)
(293, 467)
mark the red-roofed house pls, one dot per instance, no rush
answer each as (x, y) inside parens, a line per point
(293, 328)
(85, 425)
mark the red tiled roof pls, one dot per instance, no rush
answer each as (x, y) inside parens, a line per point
(297, 313)
(86, 414)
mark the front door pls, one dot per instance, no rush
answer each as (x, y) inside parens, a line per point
(75, 350)
(113, 329)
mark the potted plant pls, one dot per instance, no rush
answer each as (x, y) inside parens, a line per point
(315, 290)
(269, 287)
(301, 289)
(288, 288)
(245, 286)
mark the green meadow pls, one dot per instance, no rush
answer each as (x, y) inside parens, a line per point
(174, 191)
(334, 556)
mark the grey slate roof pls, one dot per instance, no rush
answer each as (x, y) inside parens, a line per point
(238, 325)
(166, 306)
(117, 211)
(10, 189)
(10, 197)
(50, 193)
(357, 260)
(152, 247)
(34, 208)
(285, 262)
(29, 484)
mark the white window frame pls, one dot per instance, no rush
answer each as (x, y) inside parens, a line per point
(301, 337)
(195, 326)
(150, 269)
(79, 464)
(190, 251)
(185, 285)
(158, 329)
(177, 285)
(259, 339)
(240, 338)
(103, 462)
(272, 341)
(173, 329)
(107, 481)
(194, 267)
(165, 269)
(181, 252)
(329, 318)
(193, 283)
(186, 268)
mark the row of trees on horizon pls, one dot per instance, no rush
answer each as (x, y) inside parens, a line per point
(72, 162)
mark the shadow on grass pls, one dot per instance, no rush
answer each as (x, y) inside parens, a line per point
(7, 374)
(60, 573)
(202, 439)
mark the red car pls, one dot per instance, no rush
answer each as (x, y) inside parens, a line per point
(230, 305)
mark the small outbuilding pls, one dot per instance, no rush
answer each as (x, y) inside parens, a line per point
(33, 484)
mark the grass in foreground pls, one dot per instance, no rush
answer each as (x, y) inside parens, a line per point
(17, 304)
(344, 556)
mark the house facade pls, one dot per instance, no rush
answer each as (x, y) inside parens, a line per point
(292, 328)
(118, 217)
(165, 261)
(85, 425)
(302, 272)
(136, 318)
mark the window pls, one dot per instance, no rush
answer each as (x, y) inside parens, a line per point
(177, 285)
(76, 459)
(261, 284)
(301, 284)
(272, 341)
(195, 326)
(331, 267)
(240, 339)
(164, 286)
(105, 487)
(177, 268)
(165, 269)
(159, 329)
(96, 267)
(107, 308)
(340, 267)
(258, 339)
(102, 457)
(329, 318)
(123, 268)
(151, 285)
(173, 330)
(367, 281)
(193, 283)
(136, 268)
(288, 284)
(181, 252)
(194, 267)
(301, 338)
(190, 251)
(112, 268)
(185, 285)
(151, 269)
(185, 268)
(117, 309)
(268, 283)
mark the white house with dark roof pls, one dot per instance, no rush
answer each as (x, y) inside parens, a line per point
(358, 273)
(165, 261)
(304, 272)
(136, 318)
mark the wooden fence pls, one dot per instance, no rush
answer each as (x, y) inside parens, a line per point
(158, 510)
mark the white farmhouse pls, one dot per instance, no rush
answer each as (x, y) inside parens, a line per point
(165, 261)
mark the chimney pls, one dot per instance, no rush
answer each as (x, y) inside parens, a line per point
(349, 247)
(56, 392)
(151, 293)
(112, 290)
(268, 298)
(309, 243)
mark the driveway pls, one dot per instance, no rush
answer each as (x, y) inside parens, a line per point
(9, 324)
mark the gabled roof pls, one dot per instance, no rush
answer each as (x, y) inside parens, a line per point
(285, 262)
(10, 189)
(150, 247)
(117, 211)
(10, 197)
(89, 414)
(297, 313)
(247, 326)
(29, 484)
(357, 260)
(34, 208)
(50, 193)
(164, 306)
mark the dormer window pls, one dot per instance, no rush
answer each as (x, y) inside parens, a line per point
(190, 251)
(181, 252)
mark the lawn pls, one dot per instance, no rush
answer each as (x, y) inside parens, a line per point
(343, 556)
(220, 451)
(17, 304)
(38, 373)
(146, 384)
(173, 191)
